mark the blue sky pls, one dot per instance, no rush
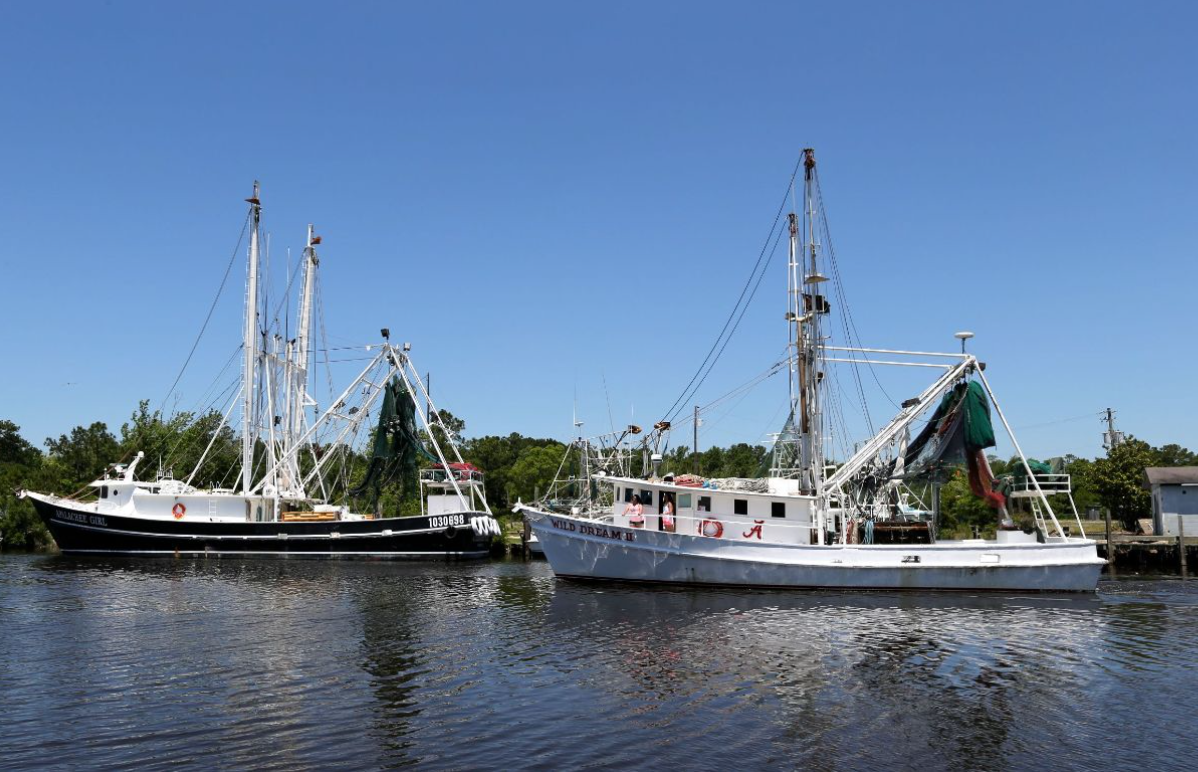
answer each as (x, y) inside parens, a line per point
(544, 197)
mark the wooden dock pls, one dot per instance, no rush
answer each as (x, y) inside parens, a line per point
(1143, 553)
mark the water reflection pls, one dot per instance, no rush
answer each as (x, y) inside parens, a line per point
(946, 668)
(391, 656)
(294, 664)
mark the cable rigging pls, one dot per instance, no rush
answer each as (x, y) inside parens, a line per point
(211, 309)
(741, 305)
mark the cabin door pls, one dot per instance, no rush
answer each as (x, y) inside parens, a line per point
(258, 510)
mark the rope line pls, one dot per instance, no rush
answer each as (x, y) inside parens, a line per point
(211, 309)
(687, 391)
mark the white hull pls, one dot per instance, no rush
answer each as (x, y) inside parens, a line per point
(581, 548)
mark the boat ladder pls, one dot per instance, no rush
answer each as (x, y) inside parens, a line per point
(1038, 516)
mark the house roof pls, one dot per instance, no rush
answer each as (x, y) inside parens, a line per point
(1170, 475)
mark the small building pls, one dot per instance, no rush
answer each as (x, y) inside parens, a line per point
(1174, 496)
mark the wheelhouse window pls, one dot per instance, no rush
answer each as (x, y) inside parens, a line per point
(778, 508)
(684, 501)
(104, 491)
(647, 498)
(740, 506)
(627, 495)
(705, 503)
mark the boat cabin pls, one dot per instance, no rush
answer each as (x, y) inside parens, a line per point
(451, 490)
(745, 510)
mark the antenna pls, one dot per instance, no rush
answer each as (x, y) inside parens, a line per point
(963, 336)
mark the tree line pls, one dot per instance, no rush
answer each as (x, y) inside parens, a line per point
(516, 467)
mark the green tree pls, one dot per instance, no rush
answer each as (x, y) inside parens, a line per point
(179, 442)
(1173, 455)
(960, 509)
(14, 449)
(678, 460)
(85, 452)
(711, 462)
(21, 466)
(456, 428)
(1081, 478)
(497, 456)
(535, 468)
(1118, 481)
(743, 460)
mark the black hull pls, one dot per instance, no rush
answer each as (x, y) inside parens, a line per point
(80, 531)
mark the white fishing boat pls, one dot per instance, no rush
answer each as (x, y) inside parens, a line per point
(293, 490)
(813, 524)
(573, 488)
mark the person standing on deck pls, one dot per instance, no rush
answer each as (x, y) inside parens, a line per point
(667, 512)
(636, 512)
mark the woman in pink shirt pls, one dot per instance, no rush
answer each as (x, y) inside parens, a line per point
(636, 512)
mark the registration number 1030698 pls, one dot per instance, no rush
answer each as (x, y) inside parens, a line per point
(441, 521)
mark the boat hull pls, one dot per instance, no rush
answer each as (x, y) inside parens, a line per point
(585, 549)
(81, 530)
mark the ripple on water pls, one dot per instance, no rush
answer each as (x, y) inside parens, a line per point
(286, 665)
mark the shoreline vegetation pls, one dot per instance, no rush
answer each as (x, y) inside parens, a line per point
(515, 467)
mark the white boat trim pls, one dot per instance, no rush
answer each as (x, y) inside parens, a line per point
(258, 537)
(582, 548)
(265, 553)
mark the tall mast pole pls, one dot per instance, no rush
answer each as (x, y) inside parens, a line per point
(303, 341)
(813, 306)
(793, 314)
(250, 346)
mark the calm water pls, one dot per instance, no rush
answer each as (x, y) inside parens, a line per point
(317, 665)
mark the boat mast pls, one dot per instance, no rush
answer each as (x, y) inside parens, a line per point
(810, 344)
(794, 295)
(250, 346)
(303, 351)
(786, 444)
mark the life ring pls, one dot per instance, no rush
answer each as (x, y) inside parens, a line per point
(712, 528)
(178, 510)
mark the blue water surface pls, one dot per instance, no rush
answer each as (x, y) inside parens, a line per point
(274, 664)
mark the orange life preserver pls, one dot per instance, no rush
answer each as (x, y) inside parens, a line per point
(712, 528)
(178, 510)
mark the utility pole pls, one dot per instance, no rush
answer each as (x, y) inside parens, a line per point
(1111, 437)
(695, 449)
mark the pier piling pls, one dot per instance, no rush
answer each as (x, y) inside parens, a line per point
(1181, 545)
(1109, 546)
